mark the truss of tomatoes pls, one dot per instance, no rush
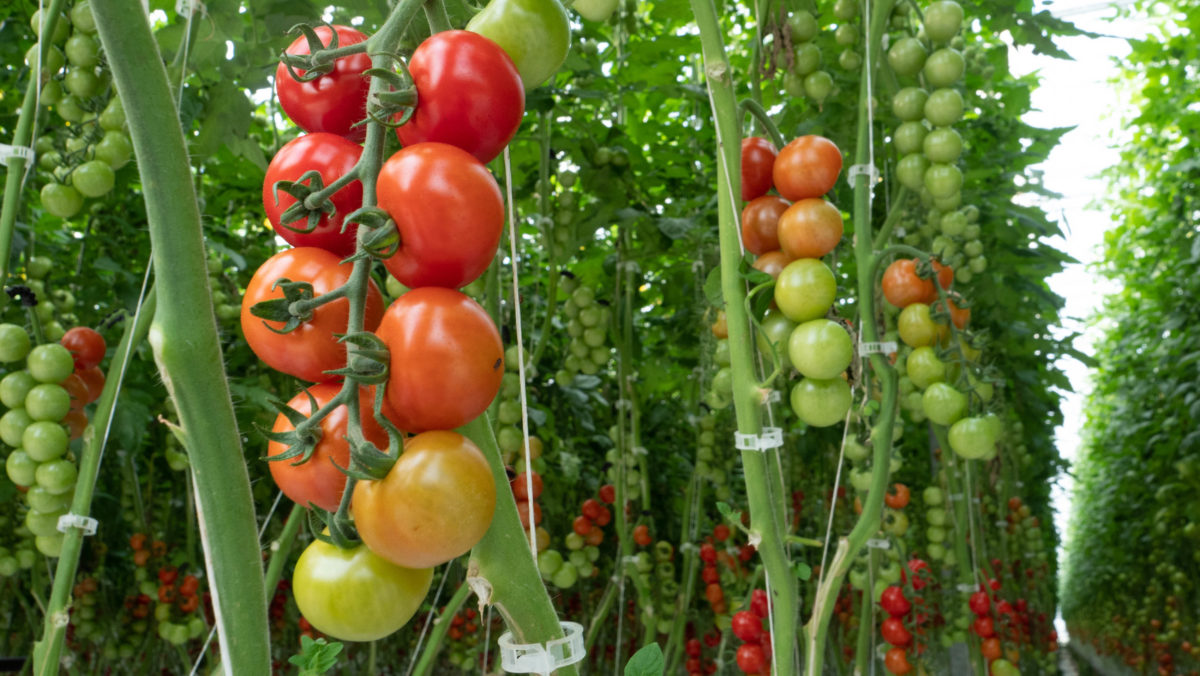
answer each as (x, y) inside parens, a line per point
(445, 353)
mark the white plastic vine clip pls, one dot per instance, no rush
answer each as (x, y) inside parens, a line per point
(885, 347)
(868, 170)
(1001, 524)
(542, 658)
(955, 496)
(876, 543)
(7, 152)
(84, 523)
(188, 7)
(771, 437)
(623, 404)
(688, 547)
(966, 589)
(640, 450)
(975, 501)
(774, 396)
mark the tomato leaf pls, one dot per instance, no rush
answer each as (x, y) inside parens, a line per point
(646, 662)
(316, 657)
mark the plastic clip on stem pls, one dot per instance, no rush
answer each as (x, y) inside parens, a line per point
(771, 437)
(84, 523)
(542, 658)
(7, 151)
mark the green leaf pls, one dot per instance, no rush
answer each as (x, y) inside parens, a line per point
(646, 662)
(712, 288)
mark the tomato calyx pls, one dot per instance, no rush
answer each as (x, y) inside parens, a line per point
(295, 308)
(368, 359)
(302, 440)
(393, 106)
(319, 60)
(384, 239)
(312, 199)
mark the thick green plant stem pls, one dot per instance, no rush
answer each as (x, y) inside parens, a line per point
(433, 644)
(817, 629)
(184, 338)
(23, 137)
(866, 615)
(766, 532)
(281, 548)
(502, 571)
(47, 652)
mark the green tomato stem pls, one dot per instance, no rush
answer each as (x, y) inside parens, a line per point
(184, 337)
(760, 115)
(817, 629)
(764, 507)
(433, 643)
(281, 548)
(46, 655)
(502, 569)
(23, 137)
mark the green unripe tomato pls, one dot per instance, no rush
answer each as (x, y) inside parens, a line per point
(12, 426)
(803, 26)
(21, 468)
(115, 150)
(566, 576)
(908, 104)
(44, 440)
(821, 403)
(820, 348)
(61, 200)
(14, 345)
(50, 363)
(49, 545)
(818, 86)
(933, 496)
(943, 404)
(61, 28)
(909, 138)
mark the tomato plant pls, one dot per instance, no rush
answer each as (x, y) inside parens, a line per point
(332, 157)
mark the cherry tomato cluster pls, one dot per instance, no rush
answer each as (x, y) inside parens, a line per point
(588, 321)
(520, 488)
(46, 403)
(754, 655)
(695, 664)
(84, 155)
(790, 233)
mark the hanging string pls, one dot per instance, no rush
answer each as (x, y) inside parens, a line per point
(516, 302)
(428, 621)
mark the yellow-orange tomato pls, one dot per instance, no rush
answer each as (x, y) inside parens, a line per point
(810, 228)
(807, 167)
(772, 263)
(434, 505)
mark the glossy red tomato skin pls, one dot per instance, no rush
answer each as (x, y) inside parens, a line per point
(469, 94)
(760, 223)
(312, 348)
(334, 102)
(903, 287)
(332, 156)
(86, 346)
(318, 481)
(758, 159)
(446, 359)
(807, 167)
(448, 210)
(435, 503)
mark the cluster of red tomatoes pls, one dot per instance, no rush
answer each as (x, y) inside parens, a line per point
(894, 627)
(791, 232)
(754, 655)
(445, 358)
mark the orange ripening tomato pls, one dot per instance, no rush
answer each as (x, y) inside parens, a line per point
(772, 263)
(760, 223)
(898, 498)
(807, 167)
(312, 348)
(810, 228)
(446, 359)
(903, 287)
(434, 504)
(317, 480)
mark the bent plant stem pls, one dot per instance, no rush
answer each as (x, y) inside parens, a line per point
(281, 548)
(502, 570)
(46, 655)
(183, 336)
(868, 523)
(893, 217)
(764, 523)
(598, 617)
(760, 115)
(22, 137)
(440, 626)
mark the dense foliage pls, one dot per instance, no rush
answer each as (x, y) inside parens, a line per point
(613, 177)
(1130, 584)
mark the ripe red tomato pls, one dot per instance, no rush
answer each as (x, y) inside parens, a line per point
(893, 632)
(448, 210)
(94, 379)
(984, 627)
(979, 603)
(990, 648)
(758, 160)
(86, 346)
(446, 359)
(751, 659)
(894, 602)
(807, 167)
(435, 503)
(582, 525)
(902, 287)
(312, 348)
(898, 499)
(747, 626)
(334, 102)
(810, 228)
(469, 94)
(759, 604)
(318, 481)
(760, 223)
(641, 535)
(331, 156)
(520, 486)
(896, 661)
